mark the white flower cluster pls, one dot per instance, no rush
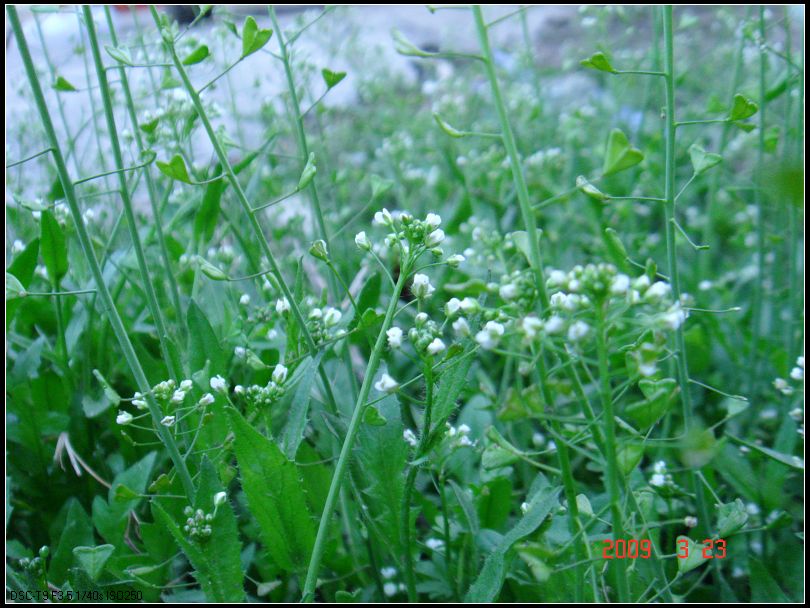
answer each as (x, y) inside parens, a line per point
(660, 478)
(166, 392)
(198, 524)
(390, 588)
(460, 436)
(796, 374)
(257, 395)
(426, 336)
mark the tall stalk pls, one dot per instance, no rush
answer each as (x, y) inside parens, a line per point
(118, 161)
(87, 249)
(348, 442)
(530, 223)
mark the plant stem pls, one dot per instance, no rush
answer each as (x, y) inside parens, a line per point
(612, 473)
(106, 99)
(348, 442)
(87, 248)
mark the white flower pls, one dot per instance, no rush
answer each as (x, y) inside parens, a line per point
(465, 442)
(554, 325)
(455, 260)
(421, 319)
(752, 508)
(531, 325)
(657, 291)
(620, 284)
(208, 398)
(690, 521)
(167, 421)
(434, 238)
(361, 240)
(239, 352)
(658, 480)
(436, 347)
(796, 413)
(470, 305)
(178, 396)
(316, 313)
(660, 466)
(538, 439)
(577, 331)
(17, 246)
(674, 317)
(139, 403)
(410, 438)
(524, 507)
(489, 336)
(461, 327)
(390, 589)
(433, 221)
(218, 384)
(463, 429)
(556, 278)
(452, 307)
(220, 498)
(782, 386)
(272, 334)
(647, 369)
(383, 218)
(279, 374)
(508, 291)
(557, 300)
(388, 572)
(394, 337)
(123, 418)
(186, 385)
(434, 544)
(421, 286)
(244, 300)
(797, 373)
(386, 384)
(331, 316)
(282, 305)
(238, 389)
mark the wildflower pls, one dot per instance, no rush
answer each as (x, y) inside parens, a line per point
(421, 319)
(282, 305)
(463, 429)
(279, 374)
(208, 398)
(244, 300)
(455, 260)
(362, 242)
(220, 498)
(470, 305)
(524, 507)
(433, 221)
(434, 544)
(410, 437)
(17, 246)
(186, 385)
(178, 396)
(690, 521)
(239, 352)
(452, 307)
(167, 421)
(319, 251)
(383, 218)
(218, 384)
(658, 480)
(797, 373)
(421, 286)
(238, 389)
(434, 238)
(577, 331)
(674, 317)
(123, 418)
(388, 572)
(461, 327)
(657, 291)
(436, 347)
(782, 386)
(620, 284)
(796, 413)
(394, 337)
(465, 442)
(554, 325)
(647, 369)
(386, 384)
(139, 403)
(508, 291)
(390, 589)
(331, 316)
(489, 336)
(556, 278)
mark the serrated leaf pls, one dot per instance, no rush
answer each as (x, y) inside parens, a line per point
(702, 161)
(742, 107)
(588, 189)
(77, 531)
(452, 382)
(332, 78)
(488, 584)
(93, 559)
(293, 431)
(175, 169)
(598, 61)
(620, 155)
(120, 54)
(64, 85)
(197, 55)
(253, 39)
(53, 247)
(275, 496)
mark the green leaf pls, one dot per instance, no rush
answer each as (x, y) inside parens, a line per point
(93, 559)
(792, 461)
(447, 128)
(24, 264)
(488, 585)
(453, 380)
(731, 517)
(53, 246)
(620, 155)
(332, 78)
(372, 417)
(62, 84)
(253, 38)
(308, 174)
(77, 531)
(216, 560)
(149, 126)
(764, 589)
(694, 555)
(203, 344)
(120, 54)
(275, 496)
(14, 288)
(109, 392)
(628, 456)
(588, 189)
(615, 247)
(702, 161)
(197, 55)
(379, 186)
(659, 399)
(742, 107)
(175, 169)
(598, 61)
(293, 431)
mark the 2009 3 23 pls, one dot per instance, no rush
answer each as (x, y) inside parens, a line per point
(642, 549)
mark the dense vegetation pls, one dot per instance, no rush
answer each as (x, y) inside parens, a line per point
(439, 342)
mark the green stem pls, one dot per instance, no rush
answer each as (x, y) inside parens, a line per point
(106, 99)
(348, 442)
(87, 248)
